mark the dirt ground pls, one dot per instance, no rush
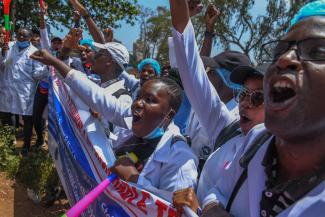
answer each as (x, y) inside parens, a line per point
(14, 201)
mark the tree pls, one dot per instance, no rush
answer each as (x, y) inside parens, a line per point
(154, 33)
(105, 12)
(241, 27)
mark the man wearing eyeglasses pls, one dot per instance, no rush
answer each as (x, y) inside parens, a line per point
(284, 175)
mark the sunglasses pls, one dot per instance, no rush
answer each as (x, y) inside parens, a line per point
(256, 97)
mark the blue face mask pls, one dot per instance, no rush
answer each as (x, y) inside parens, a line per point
(23, 44)
(225, 75)
(158, 131)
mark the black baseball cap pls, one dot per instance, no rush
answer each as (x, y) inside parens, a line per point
(56, 39)
(241, 73)
(227, 60)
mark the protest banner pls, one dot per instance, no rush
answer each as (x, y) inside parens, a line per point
(82, 155)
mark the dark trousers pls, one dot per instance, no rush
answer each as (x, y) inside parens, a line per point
(40, 102)
(28, 130)
(6, 118)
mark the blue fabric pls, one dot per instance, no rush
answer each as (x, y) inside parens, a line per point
(88, 42)
(183, 113)
(225, 76)
(315, 8)
(157, 132)
(23, 44)
(44, 85)
(153, 63)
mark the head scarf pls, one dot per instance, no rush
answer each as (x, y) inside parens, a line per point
(88, 42)
(312, 9)
(153, 63)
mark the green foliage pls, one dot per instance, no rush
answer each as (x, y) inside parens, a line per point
(242, 27)
(9, 161)
(155, 30)
(105, 12)
(36, 171)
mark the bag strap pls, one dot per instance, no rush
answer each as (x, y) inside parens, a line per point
(226, 134)
(244, 161)
(121, 92)
(117, 95)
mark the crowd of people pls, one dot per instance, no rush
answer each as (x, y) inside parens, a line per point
(226, 137)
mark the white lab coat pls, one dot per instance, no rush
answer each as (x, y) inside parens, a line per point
(119, 134)
(247, 201)
(212, 114)
(114, 110)
(19, 80)
(132, 83)
(171, 167)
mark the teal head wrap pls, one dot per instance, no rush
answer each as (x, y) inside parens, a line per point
(312, 9)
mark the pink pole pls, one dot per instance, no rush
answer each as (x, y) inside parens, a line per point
(83, 204)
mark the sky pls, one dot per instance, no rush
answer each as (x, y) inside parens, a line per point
(128, 34)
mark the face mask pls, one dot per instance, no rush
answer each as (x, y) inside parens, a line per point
(22, 44)
(158, 131)
(225, 76)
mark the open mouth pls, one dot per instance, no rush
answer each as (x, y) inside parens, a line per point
(136, 117)
(282, 93)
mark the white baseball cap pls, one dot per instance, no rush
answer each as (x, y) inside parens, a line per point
(118, 51)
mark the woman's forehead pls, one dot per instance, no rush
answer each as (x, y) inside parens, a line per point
(312, 27)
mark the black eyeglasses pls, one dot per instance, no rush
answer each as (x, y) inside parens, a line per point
(256, 97)
(310, 49)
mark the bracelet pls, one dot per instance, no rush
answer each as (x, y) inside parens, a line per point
(209, 34)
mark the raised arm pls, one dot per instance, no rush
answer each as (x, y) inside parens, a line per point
(210, 110)
(210, 19)
(45, 41)
(94, 96)
(92, 27)
(180, 14)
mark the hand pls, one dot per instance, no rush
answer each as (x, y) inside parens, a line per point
(76, 16)
(195, 7)
(215, 209)
(108, 35)
(125, 169)
(44, 8)
(185, 197)
(44, 57)
(71, 41)
(210, 17)
(79, 7)
(94, 114)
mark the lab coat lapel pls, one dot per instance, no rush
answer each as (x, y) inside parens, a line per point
(159, 154)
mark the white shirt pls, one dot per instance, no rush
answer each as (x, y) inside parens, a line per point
(102, 101)
(171, 167)
(247, 200)
(211, 112)
(132, 83)
(19, 80)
